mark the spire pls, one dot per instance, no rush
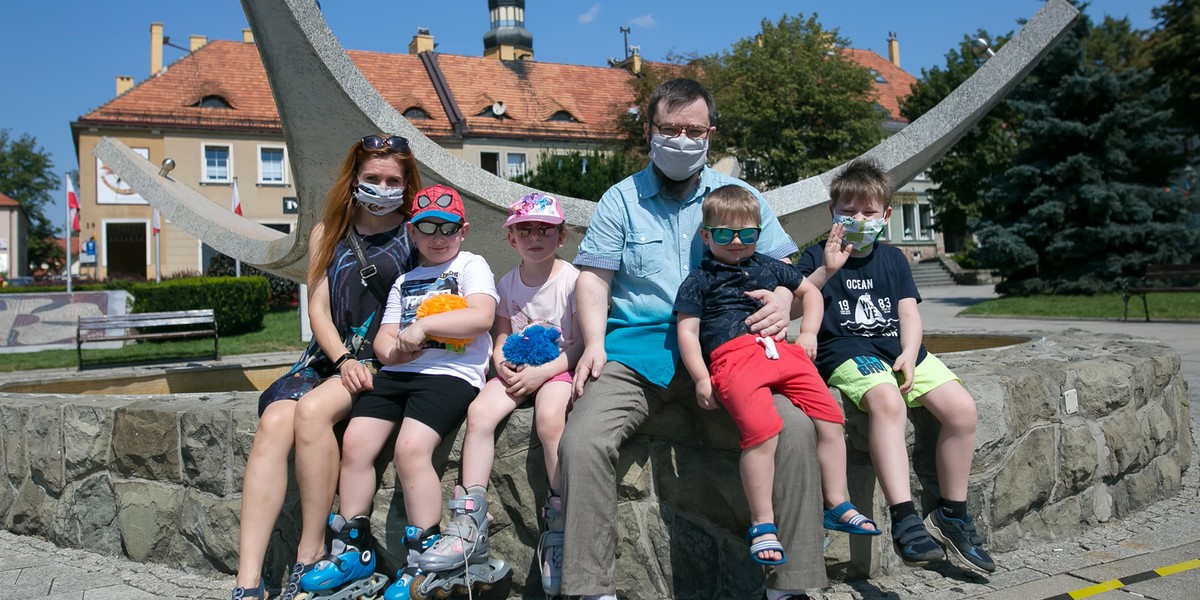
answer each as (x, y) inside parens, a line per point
(507, 39)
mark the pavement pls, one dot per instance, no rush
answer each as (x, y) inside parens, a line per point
(1154, 553)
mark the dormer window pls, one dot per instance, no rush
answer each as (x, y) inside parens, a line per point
(415, 113)
(563, 116)
(213, 101)
(879, 78)
(496, 111)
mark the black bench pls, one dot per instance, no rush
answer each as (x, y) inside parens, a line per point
(133, 327)
(1168, 274)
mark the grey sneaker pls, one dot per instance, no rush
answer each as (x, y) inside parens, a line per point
(960, 537)
(913, 544)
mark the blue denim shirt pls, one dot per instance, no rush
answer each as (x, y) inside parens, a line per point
(652, 242)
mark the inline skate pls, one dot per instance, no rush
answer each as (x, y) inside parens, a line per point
(458, 562)
(550, 548)
(348, 573)
(417, 540)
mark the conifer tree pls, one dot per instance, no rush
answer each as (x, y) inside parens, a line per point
(1084, 201)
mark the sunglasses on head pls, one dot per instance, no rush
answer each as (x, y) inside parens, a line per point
(429, 228)
(393, 143)
(722, 236)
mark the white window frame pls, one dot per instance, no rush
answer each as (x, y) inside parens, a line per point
(283, 165)
(508, 156)
(204, 178)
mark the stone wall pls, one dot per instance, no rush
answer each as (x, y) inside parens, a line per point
(158, 478)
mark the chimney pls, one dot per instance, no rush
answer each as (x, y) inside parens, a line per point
(247, 36)
(124, 84)
(422, 42)
(196, 42)
(893, 49)
(633, 64)
(156, 48)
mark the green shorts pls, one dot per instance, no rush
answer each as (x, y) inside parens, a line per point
(857, 376)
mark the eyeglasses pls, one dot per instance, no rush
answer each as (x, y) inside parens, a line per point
(430, 228)
(722, 236)
(542, 230)
(696, 132)
(394, 143)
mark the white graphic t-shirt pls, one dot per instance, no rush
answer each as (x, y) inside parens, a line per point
(464, 275)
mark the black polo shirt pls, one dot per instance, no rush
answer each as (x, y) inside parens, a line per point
(716, 293)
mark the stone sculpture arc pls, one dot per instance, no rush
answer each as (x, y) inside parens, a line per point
(325, 102)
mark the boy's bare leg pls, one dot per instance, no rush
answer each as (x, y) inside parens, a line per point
(758, 479)
(888, 415)
(361, 444)
(952, 405)
(414, 465)
(831, 452)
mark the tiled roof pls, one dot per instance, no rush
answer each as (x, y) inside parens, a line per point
(6, 201)
(897, 83)
(532, 93)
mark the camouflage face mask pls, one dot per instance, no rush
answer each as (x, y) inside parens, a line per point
(861, 234)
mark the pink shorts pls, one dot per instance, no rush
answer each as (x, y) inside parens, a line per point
(567, 376)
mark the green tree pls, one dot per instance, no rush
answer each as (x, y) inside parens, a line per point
(27, 176)
(984, 152)
(1175, 54)
(581, 175)
(791, 103)
(1083, 201)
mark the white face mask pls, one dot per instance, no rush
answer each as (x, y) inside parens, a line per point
(861, 234)
(678, 157)
(379, 200)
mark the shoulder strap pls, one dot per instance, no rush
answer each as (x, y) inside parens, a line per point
(366, 270)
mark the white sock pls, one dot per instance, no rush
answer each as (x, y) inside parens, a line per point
(601, 597)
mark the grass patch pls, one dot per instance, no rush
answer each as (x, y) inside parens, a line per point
(1163, 307)
(280, 332)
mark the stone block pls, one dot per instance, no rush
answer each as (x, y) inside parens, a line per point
(1160, 479)
(1054, 521)
(13, 425)
(994, 429)
(244, 423)
(45, 446)
(1103, 385)
(1024, 482)
(1158, 430)
(146, 441)
(86, 515)
(204, 522)
(32, 510)
(206, 431)
(146, 515)
(1078, 457)
(87, 434)
(1126, 443)
(701, 482)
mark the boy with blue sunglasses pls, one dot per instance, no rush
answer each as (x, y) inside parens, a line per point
(746, 369)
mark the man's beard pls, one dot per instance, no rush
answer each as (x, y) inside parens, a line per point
(678, 190)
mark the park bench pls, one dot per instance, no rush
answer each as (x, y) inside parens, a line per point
(134, 327)
(1167, 275)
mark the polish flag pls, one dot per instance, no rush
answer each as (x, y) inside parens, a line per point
(156, 222)
(235, 205)
(72, 203)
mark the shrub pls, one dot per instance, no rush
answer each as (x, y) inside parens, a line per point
(284, 293)
(239, 303)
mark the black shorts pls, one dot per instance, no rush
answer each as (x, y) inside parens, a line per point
(439, 401)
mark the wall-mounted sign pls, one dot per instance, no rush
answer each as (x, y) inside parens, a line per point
(291, 205)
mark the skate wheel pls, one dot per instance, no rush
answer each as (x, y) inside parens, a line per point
(441, 594)
(414, 587)
(461, 589)
(485, 587)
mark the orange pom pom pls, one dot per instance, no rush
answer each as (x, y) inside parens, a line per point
(444, 303)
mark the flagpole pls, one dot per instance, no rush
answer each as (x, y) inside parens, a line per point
(67, 229)
(237, 205)
(156, 225)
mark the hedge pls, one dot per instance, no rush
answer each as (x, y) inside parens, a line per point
(239, 303)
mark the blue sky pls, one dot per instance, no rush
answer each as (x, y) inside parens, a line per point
(59, 58)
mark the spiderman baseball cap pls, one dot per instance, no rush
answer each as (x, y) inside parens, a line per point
(438, 201)
(535, 206)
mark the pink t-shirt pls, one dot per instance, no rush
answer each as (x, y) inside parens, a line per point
(551, 304)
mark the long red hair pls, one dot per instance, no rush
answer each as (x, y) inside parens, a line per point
(340, 206)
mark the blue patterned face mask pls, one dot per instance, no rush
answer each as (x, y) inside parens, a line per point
(377, 199)
(861, 234)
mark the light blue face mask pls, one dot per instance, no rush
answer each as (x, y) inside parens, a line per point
(861, 234)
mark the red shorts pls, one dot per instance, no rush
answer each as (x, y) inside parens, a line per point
(746, 380)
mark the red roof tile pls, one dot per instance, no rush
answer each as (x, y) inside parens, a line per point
(6, 201)
(532, 92)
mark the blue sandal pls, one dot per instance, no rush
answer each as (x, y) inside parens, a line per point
(833, 521)
(765, 545)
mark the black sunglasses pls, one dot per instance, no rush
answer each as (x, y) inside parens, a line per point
(394, 143)
(722, 236)
(429, 228)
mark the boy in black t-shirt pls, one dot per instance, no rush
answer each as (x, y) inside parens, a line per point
(870, 348)
(712, 305)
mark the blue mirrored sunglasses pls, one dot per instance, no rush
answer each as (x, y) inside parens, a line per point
(724, 235)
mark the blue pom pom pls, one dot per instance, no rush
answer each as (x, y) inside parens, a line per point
(536, 345)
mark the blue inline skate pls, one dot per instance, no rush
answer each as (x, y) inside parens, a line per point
(458, 563)
(348, 573)
(417, 541)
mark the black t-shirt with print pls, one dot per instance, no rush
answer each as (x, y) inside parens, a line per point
(862, 306)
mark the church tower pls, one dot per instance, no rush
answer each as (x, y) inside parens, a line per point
(507, 39)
